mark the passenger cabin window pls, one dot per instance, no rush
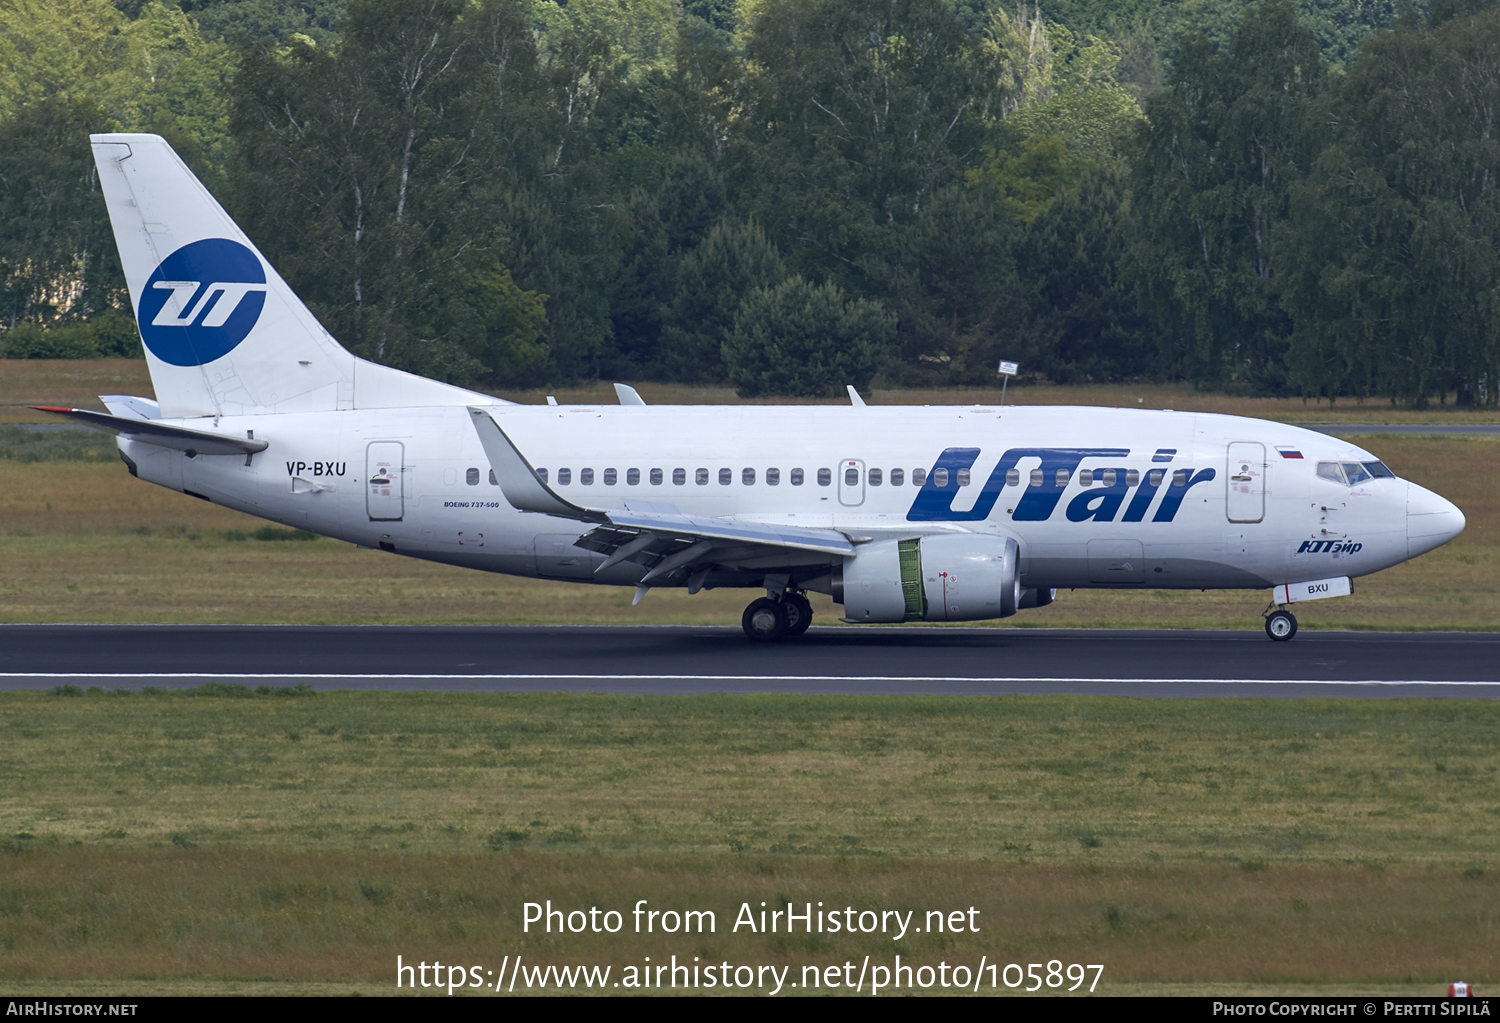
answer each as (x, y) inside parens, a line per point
(586, 477)
(633, 477)
(471, 477)
(700, 477)
(1357, 473)
(656, 477)
(825, 477)
(747, 477)
(940, 478)
(898, 477)
(541, 473)
(1109, 477)
(564, 477)
(1155, 476)
(1036, 478)
(796, 477)
(1086, 478)
(773, 477)
(919, 477)
(875, 476)
(1180, 478)
(679, 477)
(1061, 477)
(1012, 477)
(1132, 477)
(495, 483)
(1331, 472)
(611, 477)
(726, 477)
(851, 477)
(963, 477)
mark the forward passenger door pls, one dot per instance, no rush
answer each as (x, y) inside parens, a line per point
(1246, 500)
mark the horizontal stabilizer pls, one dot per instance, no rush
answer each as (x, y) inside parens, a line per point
(131, 407)
(153, 431)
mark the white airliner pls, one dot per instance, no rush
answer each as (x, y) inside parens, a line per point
(901, 514)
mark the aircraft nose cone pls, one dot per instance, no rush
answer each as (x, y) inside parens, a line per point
(1431, 521)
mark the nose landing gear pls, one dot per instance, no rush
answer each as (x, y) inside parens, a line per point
(767, 620)
(1281, 624)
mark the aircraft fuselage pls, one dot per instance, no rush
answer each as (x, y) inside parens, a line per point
(1094, 497)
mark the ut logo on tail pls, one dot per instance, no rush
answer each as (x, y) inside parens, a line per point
(223, 296)
(201, 301)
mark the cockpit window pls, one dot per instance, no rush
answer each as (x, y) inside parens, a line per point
(1330, 471)
(1379, 471)
(1357, 473)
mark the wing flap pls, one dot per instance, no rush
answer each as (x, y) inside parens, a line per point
(820, 541)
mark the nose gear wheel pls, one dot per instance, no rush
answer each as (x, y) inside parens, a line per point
(1281, 625)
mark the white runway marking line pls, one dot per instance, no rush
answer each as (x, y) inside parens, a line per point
(328, 676)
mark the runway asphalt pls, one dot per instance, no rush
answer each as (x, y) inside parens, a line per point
(683, 660)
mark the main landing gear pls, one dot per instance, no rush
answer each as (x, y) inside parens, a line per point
(767, 619)
(1281, 624)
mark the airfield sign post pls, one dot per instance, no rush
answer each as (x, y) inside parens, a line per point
(1007, 370)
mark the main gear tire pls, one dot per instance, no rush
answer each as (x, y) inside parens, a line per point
(799, 613)
(764, 621)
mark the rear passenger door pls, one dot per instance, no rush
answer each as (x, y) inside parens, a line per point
(385, 481)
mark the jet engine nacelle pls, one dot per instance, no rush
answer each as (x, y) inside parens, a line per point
(961, 577)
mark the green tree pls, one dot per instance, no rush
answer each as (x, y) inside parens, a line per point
(641, 34)
(1222, 147)
(1026, 182)
(1394, 268)
(87, 52)
(492, 320)
(108, 335)
(1084, 103)
(372, 173)
(229, 20)
(853, 114)
(806, 340)
(1067, 113)
(1078, 319)
(57, 254)
(950, 278)
(713, 281)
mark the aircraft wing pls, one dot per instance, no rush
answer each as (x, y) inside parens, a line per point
(652, 534)
(153, 431)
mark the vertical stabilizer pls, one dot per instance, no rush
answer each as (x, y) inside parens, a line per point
(224, 334)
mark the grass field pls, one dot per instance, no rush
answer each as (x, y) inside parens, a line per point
(311, 839)
(78, 382)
